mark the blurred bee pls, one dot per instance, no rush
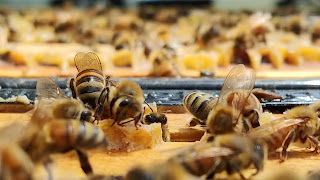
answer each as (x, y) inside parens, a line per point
(121, 102)
(164, 171)
(313, 175)
(15, 163)
(232, 153)
(316, 107)
(299, 124)
(155, 117)
(90, 80)
(50, 131)
(205, 33)
(102, 177)
(55, 104)
(164, 63)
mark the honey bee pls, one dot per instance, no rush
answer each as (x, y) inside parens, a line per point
(167, 170)
(15, 163)
(90, 80)
(52, 132)
(235, 99)
(206, 33)
(121, 102)
(299, 124)
(199, 104)
(55, 104)
(163, 63)
(155, 117)
(232, 153)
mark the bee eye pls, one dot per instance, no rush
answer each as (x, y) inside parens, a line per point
(125, 102)
(150, 118)
(85, 115)
(163, 120)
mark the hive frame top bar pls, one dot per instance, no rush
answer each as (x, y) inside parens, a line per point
(173, 83)
(170, 92)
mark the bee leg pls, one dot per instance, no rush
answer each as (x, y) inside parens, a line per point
(234, 166)
(286, 144)
(122, 123)
(195, 121)
(47, 165)
(217, 167)
(72, 89)
(138, 119)
(84, 161)
(316, 142)
(101, 100)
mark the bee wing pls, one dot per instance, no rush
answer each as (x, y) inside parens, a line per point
(89, 60)
(214, 152)
(47, 88)
(275, 126)
(203, 151)
(240, 79)
(11, 133)
(48, 91)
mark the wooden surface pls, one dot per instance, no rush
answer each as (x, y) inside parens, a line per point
(66, 166)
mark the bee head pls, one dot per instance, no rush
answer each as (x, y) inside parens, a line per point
(128, 107)
(86, 115)
(150, 118)
(155, 118)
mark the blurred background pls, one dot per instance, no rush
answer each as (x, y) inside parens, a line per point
(220, 4)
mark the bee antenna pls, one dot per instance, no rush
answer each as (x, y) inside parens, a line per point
(148, 105)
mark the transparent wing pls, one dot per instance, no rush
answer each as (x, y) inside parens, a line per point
(47, 88)
(48, 92)
(89, 60)
(283, 125)
(202, 151)
(42, 112)
(237, 87)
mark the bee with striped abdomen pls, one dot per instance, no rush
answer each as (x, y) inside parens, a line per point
(51, 131)
(90, 80)
(235, 100)
(232, 153)
(298, 125)
(121, 102)
(199, 104)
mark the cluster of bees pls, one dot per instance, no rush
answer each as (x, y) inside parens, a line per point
(235, 139)
(59, 124)
(171, 40)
